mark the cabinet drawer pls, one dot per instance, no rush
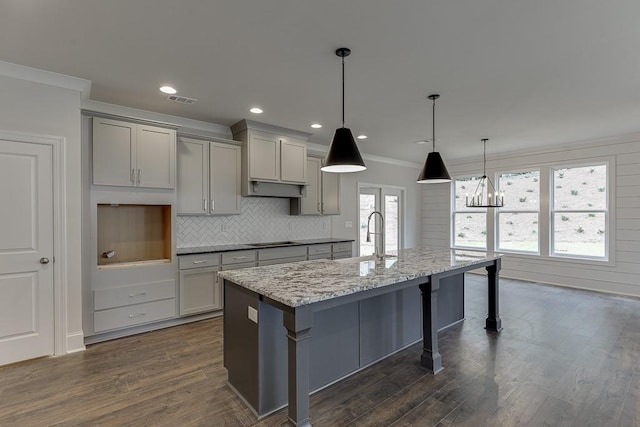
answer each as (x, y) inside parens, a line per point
(319, 249)
(279, 253)
(320, 256)
(136, 294)
(238, 256)
(134, 315)
(342, 247)
(238, 266)
(340, 255)
(281, 261)
(197, 261)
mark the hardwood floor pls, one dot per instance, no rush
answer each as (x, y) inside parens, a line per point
(565, 358)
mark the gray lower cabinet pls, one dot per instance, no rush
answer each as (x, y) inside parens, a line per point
(341, 250)
(201, 289)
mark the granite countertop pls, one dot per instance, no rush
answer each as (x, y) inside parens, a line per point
(257, 245)
(308, 282)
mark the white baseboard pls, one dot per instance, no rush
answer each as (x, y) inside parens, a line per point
(75, 342)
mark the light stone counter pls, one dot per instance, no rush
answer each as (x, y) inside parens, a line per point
(307, 282)
(314, 322)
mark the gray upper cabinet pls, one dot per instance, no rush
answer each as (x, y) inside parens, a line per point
(263, 158)
(271, 156)
(208, 178)
(293, 161)
(276, 159)
(224, 178)
(133, 155)
(322, 192)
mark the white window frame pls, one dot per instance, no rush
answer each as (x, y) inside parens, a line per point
(488, 218)
(498, 211)
(545, 237)
(609, 223)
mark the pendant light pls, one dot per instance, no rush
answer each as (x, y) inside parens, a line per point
(434, 170)
(485, 195)
(343, 155)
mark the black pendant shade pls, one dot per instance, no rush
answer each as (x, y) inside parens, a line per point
(434, 170)
(343, 155)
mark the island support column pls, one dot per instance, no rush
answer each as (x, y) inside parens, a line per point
(430, 358)
(298, 322)
(493, 322)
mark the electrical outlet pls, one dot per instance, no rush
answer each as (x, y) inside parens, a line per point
(348, 224)
(252, 314)
(223, 227)
(290, 225)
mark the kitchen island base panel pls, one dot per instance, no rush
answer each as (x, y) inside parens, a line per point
(343, 340)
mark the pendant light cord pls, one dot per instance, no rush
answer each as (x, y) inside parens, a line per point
(484, 157)
(433, 127)
(343, 91)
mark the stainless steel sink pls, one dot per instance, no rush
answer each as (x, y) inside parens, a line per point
(288, 242)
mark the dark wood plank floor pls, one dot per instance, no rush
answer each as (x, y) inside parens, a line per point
(565, 358)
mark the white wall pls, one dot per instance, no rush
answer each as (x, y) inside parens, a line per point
(46, 110)
(621, 275)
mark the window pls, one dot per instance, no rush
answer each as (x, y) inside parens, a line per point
(518, 227)
(579, 211)
(469, 224)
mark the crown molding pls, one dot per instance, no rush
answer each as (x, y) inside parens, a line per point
(50, 78)
(193, 126)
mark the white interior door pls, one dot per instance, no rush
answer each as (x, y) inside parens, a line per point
(26, 251)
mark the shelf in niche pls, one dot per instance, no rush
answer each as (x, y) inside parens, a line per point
(135, 234)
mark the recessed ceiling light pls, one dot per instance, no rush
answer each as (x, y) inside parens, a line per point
(256, 110)
(168, 90)
(362, 136)
(316, 125)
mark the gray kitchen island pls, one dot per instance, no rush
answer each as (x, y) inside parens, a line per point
(293, 329)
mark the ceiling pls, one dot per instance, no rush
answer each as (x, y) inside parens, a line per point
(522, 73)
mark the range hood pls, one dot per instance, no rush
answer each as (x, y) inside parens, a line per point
(275, 189)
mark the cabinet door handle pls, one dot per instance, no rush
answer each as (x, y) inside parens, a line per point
(213, 205)
(133, 176)
(322, 206)
(139, 175)
(131, 316)
(204, 205)
(318, 206)
(139, 294)
(239, 257)
(202, 261)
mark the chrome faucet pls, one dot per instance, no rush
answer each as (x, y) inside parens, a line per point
(381, 233)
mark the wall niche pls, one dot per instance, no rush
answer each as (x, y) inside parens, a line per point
(131, 234)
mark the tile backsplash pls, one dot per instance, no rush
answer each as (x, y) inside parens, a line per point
(262, 219)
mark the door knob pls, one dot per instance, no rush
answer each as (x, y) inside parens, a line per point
(44, 260)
